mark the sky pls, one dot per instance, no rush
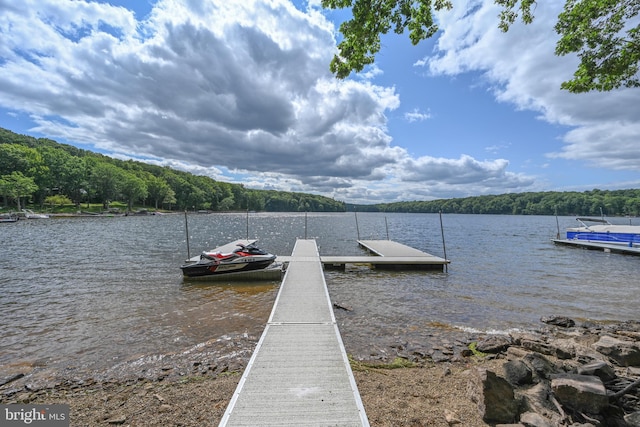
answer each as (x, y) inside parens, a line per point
(241, 91)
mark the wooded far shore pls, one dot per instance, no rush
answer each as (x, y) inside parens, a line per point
(45, 175)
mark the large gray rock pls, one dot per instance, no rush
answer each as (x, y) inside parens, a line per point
(563, 348)
(541, 366)
(517, 372)
(599, 368)
(494, 397)
(583, 393)
(560, 348)
(536, 399)
(625, 353)
(633, 419)
(493, 344)
(531, 419)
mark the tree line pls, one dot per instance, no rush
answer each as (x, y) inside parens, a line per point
(589, 203)
(44, 172)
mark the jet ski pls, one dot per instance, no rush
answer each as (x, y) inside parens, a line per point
(244, 258)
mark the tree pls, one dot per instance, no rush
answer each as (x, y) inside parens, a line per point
(17, 185)
(601, 32)
(18, 158)
(609, 49)
(74, 179)
(132, 188)
(58, 200)
(105, 178)
(158, 190)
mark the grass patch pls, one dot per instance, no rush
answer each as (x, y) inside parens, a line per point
(398, 362)
(473, 347)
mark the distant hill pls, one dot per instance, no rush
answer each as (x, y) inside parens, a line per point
(589, 203)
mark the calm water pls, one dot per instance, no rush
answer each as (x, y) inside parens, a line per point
(91, 293)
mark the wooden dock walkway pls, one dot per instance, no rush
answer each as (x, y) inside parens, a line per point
(299, 373)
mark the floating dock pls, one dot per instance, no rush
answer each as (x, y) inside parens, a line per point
(299, 373)
(387, 254)
(605, 247)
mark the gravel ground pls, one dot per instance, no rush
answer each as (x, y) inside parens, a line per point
(430, 395)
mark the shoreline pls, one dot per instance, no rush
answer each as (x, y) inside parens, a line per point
(408, 388)
(409, 396)
(193, 388)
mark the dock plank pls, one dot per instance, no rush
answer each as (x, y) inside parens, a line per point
(609, 247)
(299, 374)
(387, 253)
(388, 248)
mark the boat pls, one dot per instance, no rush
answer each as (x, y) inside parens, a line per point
(9, 217)
(598, 233)
(246, 257)
(601, 230)
(29, 214)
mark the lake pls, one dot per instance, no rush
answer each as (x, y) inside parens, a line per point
(90, 294)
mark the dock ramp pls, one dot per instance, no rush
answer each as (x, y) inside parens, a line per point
(299, 373)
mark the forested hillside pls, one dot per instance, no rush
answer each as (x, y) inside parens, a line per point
(588, 203)
(42, 171)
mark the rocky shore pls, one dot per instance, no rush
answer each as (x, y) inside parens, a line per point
(574, 375)
(566, 373)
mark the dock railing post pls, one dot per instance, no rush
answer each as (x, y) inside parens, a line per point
(444, 247)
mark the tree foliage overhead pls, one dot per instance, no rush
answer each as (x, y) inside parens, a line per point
(605, 35)
(599, 31)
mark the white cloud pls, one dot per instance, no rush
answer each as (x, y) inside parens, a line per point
(522, 69)
(416, 116)
(462, 171)
(214, 87)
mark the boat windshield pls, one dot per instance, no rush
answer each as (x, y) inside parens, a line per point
(585, 221)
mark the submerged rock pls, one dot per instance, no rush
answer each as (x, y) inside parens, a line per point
(561, 321)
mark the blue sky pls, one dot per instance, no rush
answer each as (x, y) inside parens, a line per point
(241, 92)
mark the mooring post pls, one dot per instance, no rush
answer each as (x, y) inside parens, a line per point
(186, 227)
(357, 227)
(444, 247)
(387, 227)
